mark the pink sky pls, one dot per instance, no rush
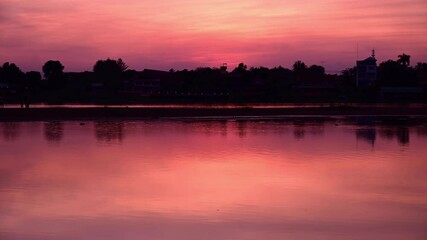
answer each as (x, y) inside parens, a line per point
(179, 34)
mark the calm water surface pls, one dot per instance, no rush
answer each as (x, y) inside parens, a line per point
(212, 180)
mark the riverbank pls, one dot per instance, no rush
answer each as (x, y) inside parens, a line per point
(111, 113)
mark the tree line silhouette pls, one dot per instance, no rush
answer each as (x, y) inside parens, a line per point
(111, 81)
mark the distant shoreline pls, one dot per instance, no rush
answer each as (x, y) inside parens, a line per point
(124, 113)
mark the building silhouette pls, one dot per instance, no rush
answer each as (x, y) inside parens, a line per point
(366, 73)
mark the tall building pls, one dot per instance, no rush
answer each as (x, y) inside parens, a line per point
(366, 74)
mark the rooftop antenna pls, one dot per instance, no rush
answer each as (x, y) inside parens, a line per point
(373, 52)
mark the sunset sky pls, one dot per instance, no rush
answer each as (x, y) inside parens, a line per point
(164, 34)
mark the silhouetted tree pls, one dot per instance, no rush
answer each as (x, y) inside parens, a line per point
(260, 72)
(14, 77)
(279, 82)
(299, 69)
(11, 74)
(421, 67)
(393, 73)
(421, 72)
(54, 73)
(33, 78)
(241, 68)
(207, 80)
(404, 59)
(397, 73)
(348, 80)
(122, 65)
(316, 71)
(299, 66)
(109, 72)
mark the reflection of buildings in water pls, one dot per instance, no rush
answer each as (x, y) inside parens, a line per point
(11, 130)
(368, 135)
(401, 133)
(109, 131)
(53, 131)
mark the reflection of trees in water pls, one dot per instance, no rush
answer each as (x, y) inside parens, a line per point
(422, 131)
(299, 129)
(11, 130)
(311, 128)
(299, 132)
(222, 127)
(365, 121)
(242, 128)
(369, 135)
(238, 127)
(109, 131)
(257, 127)
(210, 127)
(54, 131)
(401, 133)
(387, 133)
(316, 129)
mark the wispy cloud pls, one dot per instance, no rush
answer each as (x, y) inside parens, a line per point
(269, 32)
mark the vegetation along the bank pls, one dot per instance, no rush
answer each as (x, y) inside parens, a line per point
(111, 81)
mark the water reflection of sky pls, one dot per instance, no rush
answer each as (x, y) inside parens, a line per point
(212, 180)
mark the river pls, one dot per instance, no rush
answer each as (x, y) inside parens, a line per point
(225, 180)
